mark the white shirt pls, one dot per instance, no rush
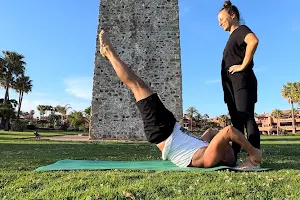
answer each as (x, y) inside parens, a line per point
(181, 146)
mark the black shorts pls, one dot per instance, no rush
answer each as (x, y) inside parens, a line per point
(158, 121)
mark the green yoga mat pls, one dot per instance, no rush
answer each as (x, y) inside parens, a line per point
(157, 165)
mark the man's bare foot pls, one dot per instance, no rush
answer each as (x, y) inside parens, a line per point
(105, 45)
(255, 157)
(247, 165)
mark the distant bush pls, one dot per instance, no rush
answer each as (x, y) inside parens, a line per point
(31, 127)
(46, 129)
(283, 132)
(18, 126)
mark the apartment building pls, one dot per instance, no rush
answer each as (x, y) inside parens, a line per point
(268, 125)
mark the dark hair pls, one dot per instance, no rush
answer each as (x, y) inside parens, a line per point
(231, 9)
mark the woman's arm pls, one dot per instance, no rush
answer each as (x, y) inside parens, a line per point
(252, 42)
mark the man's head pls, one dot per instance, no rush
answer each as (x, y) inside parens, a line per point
(228, 157)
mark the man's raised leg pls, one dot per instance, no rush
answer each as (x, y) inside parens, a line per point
(158, 121)
(215, 150)
(138, 87)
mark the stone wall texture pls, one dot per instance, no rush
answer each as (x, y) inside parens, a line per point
(145, 33)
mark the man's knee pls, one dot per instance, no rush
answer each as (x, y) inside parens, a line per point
(228, 128)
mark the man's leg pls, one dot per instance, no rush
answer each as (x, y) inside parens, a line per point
(215, 150)
(139, 89)
(158, 121)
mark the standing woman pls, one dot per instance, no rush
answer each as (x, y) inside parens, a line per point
(238, 79)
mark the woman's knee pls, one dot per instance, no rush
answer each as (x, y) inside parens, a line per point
(244, 116)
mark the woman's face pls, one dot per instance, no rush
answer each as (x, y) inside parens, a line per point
(225, 20)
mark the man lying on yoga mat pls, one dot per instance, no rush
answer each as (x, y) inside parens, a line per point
(161, 128)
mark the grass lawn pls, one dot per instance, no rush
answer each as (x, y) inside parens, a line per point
(8, 135)
(19, 158)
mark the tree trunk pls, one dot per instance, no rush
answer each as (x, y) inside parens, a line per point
(6, 126)
(20, 103)
(6, 97)
(277, 126)
(5, 120)
(2, 125)
(293, 119)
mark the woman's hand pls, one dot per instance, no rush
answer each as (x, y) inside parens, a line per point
(235, 68)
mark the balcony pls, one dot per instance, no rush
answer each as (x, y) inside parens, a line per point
(297, 120)
(290, 128)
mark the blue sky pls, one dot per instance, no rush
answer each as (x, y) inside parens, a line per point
(58, 40)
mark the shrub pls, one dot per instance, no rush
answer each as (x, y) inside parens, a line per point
(18, 126)
(31, 127)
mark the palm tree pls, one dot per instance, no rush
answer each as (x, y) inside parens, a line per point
(290, 113)
(223, 119)
(277, 114)
(63, 110)
(87, 111)
(2, 72)
(198, 116)
(32, 112)
(42, 110)
(50, 109)
(23, 84)
(12, 65)
(7, 111)
(76, 119)
(191, 112)
(205, 116)
(298, 94)
(290, 91)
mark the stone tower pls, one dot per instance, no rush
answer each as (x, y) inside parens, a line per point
(145, 33)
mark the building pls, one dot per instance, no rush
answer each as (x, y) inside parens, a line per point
(189, 123)
(267, 125)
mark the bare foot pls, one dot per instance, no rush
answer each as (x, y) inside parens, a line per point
(105, 45)
(247, 165)
(255, 157)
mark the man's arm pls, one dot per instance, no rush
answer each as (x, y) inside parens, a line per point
(209, 134)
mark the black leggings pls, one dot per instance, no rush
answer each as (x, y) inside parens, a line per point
(240, 94)
(241, 111)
